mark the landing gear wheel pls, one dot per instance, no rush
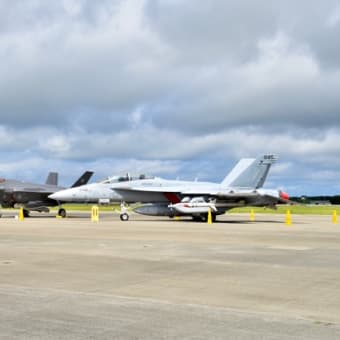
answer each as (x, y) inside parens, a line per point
(62, 212)
(26, 213)
(204, 217)
(124, 217)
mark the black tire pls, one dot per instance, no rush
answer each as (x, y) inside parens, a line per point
(26, 213)
(62, 212)
(124, 217)
(204, 217)
(196, 218)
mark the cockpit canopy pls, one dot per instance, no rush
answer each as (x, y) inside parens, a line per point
(125, 178)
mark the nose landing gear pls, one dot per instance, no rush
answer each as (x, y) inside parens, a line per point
(124, 216)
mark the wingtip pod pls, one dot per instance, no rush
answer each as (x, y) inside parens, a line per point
(283, 195)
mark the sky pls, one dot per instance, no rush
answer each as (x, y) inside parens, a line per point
(177, 89)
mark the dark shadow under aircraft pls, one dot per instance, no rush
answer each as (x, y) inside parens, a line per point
(34, 197)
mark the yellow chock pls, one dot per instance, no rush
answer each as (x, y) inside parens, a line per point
(209, 219)
(94, 213)
(21, 214)
(288, 218)
(177, 218)
(334, 217)
(252, 215)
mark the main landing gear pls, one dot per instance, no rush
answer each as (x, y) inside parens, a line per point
(203, 218)
(62, 212)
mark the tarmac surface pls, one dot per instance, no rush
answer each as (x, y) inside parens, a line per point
(156, 278)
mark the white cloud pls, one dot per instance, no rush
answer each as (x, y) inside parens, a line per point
(57, 145)
(280, 63)
(122, 83)
(334, 17)
(72, 7)
(136, 117)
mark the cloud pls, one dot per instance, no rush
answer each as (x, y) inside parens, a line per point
(76, 64)
(183, 88)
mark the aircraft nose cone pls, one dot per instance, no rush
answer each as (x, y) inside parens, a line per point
(56, 196)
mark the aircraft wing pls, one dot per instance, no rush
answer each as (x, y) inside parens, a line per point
(150, 194)
(213, 193)
(176, 189)
(175, 193)
(149, 189)
(261, 196)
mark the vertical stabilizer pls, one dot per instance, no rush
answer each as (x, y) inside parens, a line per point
(249, 172)
(83, 179)
(52, 178)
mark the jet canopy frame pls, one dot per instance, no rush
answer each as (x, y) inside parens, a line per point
(125, 178)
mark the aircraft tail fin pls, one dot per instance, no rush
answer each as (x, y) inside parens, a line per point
(249, 172)
(52, 178)
(83, 179)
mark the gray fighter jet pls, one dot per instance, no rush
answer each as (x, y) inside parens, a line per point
(241, 187)
(34, 197)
